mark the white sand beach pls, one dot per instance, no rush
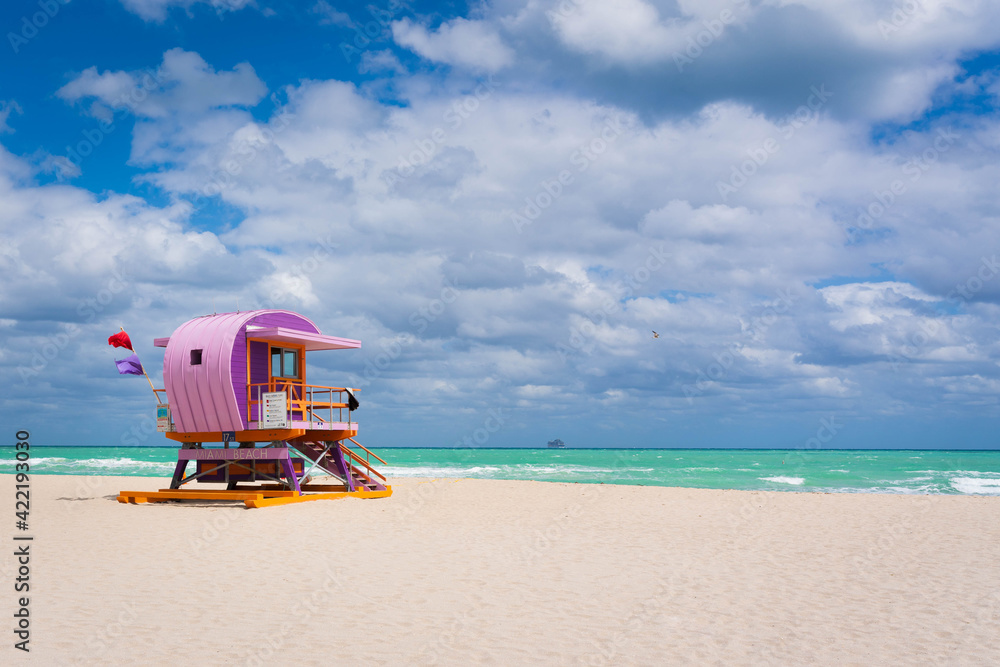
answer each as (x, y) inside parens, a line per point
(498, 572)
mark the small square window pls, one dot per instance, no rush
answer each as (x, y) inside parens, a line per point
(196, 357)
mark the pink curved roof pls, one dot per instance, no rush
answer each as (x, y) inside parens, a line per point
(211, 396)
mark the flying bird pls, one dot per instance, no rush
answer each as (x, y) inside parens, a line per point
(656, 335)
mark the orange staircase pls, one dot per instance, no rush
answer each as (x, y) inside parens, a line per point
(342, 462)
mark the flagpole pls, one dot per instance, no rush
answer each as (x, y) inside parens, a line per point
(157, 396)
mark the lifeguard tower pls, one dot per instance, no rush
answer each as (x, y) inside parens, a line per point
(239, 380)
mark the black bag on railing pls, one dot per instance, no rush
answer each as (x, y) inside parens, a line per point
(352, 403)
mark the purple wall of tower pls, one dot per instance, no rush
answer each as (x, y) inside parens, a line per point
(212, 396)
(239, 361)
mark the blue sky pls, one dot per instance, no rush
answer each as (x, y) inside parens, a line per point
(503, 200)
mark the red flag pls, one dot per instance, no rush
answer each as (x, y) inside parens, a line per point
(120, 340)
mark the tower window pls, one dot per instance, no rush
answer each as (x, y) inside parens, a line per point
(284, 362)
(196, 357)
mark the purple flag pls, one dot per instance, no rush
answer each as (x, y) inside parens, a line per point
(129, 365)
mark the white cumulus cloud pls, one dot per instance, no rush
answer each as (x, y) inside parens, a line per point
(459, 42)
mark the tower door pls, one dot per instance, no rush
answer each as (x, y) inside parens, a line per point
(288, 374)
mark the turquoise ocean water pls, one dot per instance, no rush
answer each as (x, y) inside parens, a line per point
(847, 471)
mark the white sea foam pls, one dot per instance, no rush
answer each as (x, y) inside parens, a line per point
(423, 471)
(877, 489)
(906, 490)
(564, 469)
(503, 471)
(797, 481)
(440, 471)
(635, 469)
(976, 485)
(124, 463)
(98, 466)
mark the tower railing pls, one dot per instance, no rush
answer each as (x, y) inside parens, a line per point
(306, 402)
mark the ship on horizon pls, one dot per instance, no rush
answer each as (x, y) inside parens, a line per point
(557, 443)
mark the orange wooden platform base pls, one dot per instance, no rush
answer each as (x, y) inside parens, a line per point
(252, 496)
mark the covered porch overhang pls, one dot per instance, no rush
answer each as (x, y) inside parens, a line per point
(310, 341)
